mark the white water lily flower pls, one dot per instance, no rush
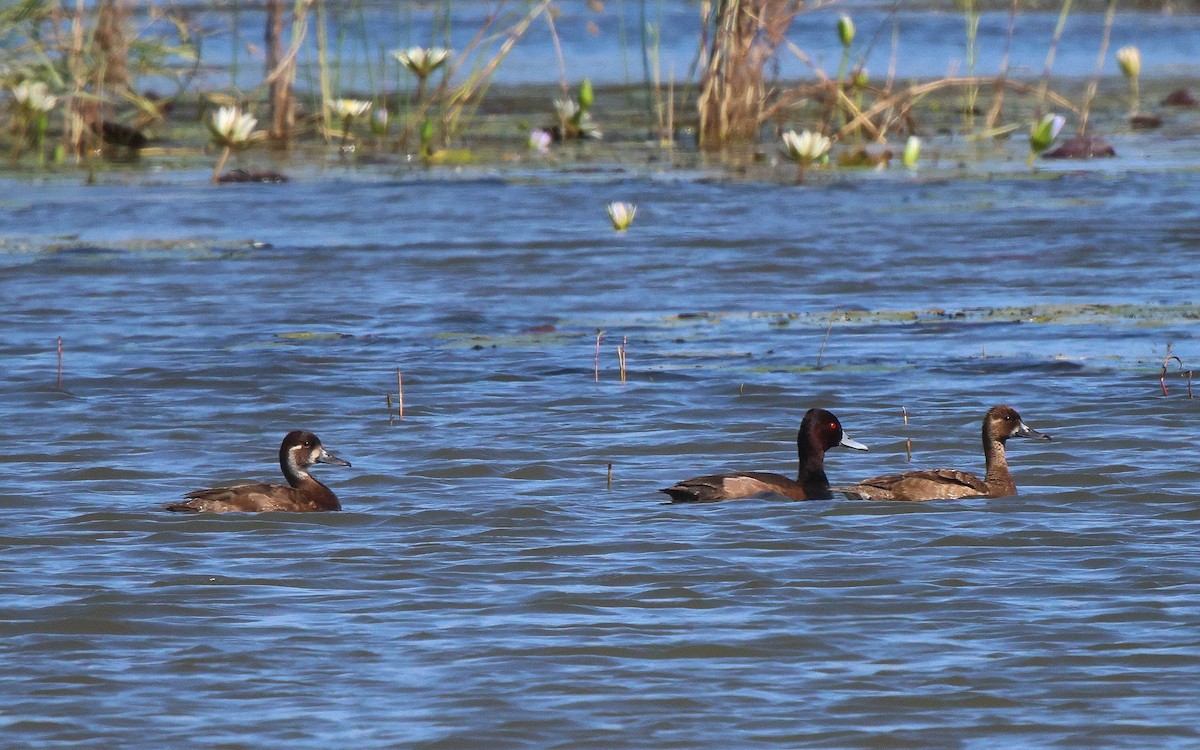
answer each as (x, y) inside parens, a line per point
(588, 128)
(34, 96)
(232, 127)
(567, 109)
(621, 214)
(539, 140)
(912, 151)
(805, 147)
(422, 61)
(345, 108)
(1129, 59)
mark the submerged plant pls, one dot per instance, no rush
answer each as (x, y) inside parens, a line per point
(1129, 59)
(231, 128)
(621, 214)
(1043, 133)
(805, 148)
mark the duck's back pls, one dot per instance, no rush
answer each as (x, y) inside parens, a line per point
(717, 487)
(258, 498)
(931, 484)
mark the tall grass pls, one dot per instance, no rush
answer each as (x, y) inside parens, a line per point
(91, 56)
(971, 94)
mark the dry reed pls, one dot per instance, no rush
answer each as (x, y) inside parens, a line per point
(1162, 378)
(621, 356)
(745, 36)
(399, 395)
(821, 353)
(596, 361)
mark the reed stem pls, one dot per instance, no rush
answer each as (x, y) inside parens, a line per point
(821, 353)
(596, 363)
(621, 356)
(399, 395)
(1109, 16)
(1050, 54)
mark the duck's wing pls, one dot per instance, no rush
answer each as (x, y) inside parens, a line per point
(931, 484)
(247, 498)
(717, 487)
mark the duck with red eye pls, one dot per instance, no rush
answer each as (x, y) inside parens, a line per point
(999, 424)
(302, 494)
(819, 431)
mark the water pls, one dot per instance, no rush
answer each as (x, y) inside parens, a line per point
(484, 587)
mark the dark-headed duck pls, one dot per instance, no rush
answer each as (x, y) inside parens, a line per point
(999, 424)
(819, 431)
(300, 450)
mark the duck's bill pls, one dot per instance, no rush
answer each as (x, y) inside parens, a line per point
(328, 458)
(1026, 431)
(847, 442)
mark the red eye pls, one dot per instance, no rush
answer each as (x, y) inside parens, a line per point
(834, 426)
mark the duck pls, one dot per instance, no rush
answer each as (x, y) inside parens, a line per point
(999, 424)
(303, 494)
(819, 431)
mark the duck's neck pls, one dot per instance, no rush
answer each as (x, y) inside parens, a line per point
(998, 478)
(312, 490)
(294, 474)
(811, 472)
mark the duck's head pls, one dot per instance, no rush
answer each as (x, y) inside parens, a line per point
(1003, 422)
(301, 449)
(821, 430)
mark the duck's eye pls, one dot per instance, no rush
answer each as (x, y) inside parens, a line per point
(834, 426)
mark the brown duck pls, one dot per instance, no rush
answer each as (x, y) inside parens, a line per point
(999, 424)
(819, 431)
(300, 450)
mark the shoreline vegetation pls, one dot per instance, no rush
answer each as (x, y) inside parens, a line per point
(89, 87)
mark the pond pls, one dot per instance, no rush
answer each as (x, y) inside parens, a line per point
(504, 572)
